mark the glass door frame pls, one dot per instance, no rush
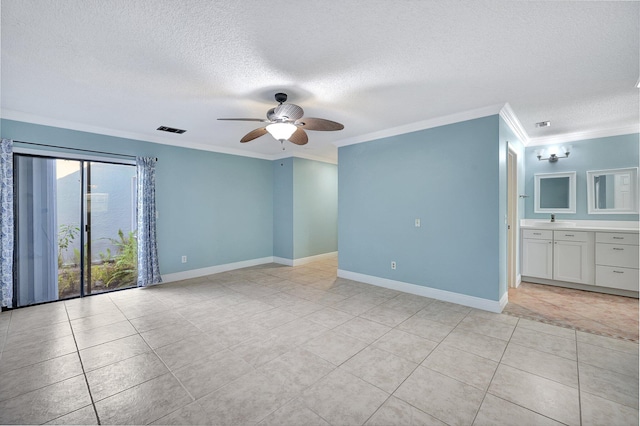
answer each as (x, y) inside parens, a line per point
(85, 216)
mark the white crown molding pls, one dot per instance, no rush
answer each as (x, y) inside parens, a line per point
(505, 111)
(422, 125)
(45, 121)
(509, 116)
(304, 156)
(579, 136)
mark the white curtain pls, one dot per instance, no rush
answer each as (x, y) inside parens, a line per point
(36, 268)
(148, 268)
(6, 223)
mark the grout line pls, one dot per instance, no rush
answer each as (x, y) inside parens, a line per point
(369, 345)
(156, 354)
(578, 377)
(494, 372)
(419, 364)
(84, 373)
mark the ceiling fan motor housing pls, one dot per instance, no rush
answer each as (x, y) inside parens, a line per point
(281, 97)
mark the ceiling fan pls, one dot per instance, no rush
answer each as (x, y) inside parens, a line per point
(286, 122)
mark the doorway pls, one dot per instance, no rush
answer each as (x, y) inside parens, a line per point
(512, 216)
(75, 228)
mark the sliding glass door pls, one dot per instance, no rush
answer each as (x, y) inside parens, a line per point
(75, 228)
(110, 227)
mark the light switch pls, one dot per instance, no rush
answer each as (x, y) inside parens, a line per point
(417, 223)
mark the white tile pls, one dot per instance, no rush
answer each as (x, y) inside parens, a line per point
(543, 396)
(554, 330)
(466, 367)
(380, 368)
(545, 342)
(559, 369)
(397, 412)
(335, 347)
(496, 411)
(599, 411)
(343, 399)
(442, 397)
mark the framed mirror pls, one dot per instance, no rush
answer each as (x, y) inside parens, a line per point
(555, 192)
(613, 191)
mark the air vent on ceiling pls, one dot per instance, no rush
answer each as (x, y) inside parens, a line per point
(543, 124)
(171, 129)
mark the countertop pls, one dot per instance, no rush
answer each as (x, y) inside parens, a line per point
(581, 225)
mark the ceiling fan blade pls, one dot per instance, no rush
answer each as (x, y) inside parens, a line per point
(288, 111)
(299, 137)
(310, 123)
(254, 134)
(245, 119)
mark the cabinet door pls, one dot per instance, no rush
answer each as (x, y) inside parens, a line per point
(571, 262)
(537, 258)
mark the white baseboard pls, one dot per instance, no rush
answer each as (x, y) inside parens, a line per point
(304, 260)
(518, 280)
(434, 293)
(195, 273)
(504, 300)
(283, 261)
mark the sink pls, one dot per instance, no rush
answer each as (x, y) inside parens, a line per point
(558, 224)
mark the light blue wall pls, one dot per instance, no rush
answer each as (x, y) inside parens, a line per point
(446, 176)
(315, 208)
(613, 152)
(283, 208)
(305, 217)
(214, 208)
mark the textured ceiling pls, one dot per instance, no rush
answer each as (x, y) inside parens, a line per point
(126, 67)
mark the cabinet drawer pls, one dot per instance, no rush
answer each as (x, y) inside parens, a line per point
(570, 236)
(617, 238)
(617, 255)
(537, 234)
(624, 278)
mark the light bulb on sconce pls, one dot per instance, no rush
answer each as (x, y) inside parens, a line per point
(553, 153)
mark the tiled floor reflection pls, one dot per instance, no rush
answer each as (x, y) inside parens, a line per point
(277, 345)
(596, 313)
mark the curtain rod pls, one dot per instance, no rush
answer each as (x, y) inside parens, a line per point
(78, 149)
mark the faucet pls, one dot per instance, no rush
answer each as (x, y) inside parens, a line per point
(553, 217)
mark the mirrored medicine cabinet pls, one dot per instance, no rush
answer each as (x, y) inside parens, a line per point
(555, 192)
(613, 191)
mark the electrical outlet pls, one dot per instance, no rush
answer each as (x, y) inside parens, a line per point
(417, 223)
(184, 259)
(393, 264)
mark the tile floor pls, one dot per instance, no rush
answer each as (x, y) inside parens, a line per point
(596, 313)
(276, 345)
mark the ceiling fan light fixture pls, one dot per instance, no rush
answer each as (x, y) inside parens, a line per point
(281, 131)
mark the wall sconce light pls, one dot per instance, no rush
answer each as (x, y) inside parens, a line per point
(553, 156)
